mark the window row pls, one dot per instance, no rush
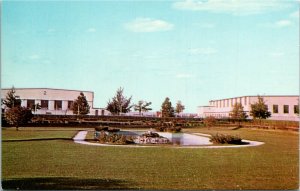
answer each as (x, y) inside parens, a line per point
(229, 102)
(286, 109)
(45, 104)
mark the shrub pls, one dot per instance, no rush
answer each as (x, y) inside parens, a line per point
(112, 130)
(101, 128)
(209, 121)
(168, 129)
(114, 138)
(225, 139)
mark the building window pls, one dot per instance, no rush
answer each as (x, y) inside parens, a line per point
(231, 102)
(228, 103)
(296, 109)
(70, 105)
(275, 108)
(30, 103)
(58, 104)
(285, 109)
(245, 100)
(44, 104)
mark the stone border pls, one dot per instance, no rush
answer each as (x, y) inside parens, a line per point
(80, 138)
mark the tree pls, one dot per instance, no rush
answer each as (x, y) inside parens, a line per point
(166, 108)
(119, 103)
(18, 116)
(142, 106)
(259, 110)
(179, 107)
(238, 113)
(11, 99)
(209, 121)
(81, 105)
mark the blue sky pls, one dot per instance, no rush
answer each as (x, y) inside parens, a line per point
(189, 50)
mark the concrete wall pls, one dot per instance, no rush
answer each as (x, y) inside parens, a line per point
(52, 95)
(221, 108)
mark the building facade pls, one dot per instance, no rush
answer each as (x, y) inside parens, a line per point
(281, 107)
(53, 101)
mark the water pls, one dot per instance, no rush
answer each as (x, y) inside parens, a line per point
(182, 139)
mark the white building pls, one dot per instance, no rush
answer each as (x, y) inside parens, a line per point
(53, 101)
(281, 107)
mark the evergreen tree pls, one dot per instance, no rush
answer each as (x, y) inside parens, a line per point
(259, 110)
(166, 108)
(80, 105)
(119, 103)
(179, 107)
(142, 106)
(11, 99)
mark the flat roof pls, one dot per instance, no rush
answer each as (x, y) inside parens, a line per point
(257, 96)
(46, 89)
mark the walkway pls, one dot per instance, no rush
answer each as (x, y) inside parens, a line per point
(80, 138)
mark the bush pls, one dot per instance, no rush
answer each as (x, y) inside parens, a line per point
(168, 129)
(115, 138)
(225, 139)
(209, 121)
(101, 128)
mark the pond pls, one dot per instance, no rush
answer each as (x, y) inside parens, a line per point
(182, 139)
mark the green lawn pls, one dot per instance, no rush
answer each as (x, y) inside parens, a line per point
(62, 164)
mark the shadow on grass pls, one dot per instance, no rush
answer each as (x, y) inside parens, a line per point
(65, 183)
(237, 128)
(37, 139)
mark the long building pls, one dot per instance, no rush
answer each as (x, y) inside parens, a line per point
(53, 101)
(281, 107)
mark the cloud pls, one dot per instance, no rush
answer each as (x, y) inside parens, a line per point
(295, 14)
(283, 23)
(279, 24)
(235, 7)
(148, 25)
(34, 57)
(184, 75)
(206, 51)
(91, 30)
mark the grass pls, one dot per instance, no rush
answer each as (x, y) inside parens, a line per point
(62, 164)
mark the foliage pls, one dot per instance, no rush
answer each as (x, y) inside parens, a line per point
(113, 138)
(225, 139)
(238, 113)
(11, 99)
(119, 103)
(35, 107)
(81, 105)
(209, 121)
(151, 134)
(142, 106)
(166, 108)
(179, 107)
(259, 110)
(101, 128)
(168, 127)
(18, 116)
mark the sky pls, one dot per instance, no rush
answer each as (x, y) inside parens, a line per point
(188, 50)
